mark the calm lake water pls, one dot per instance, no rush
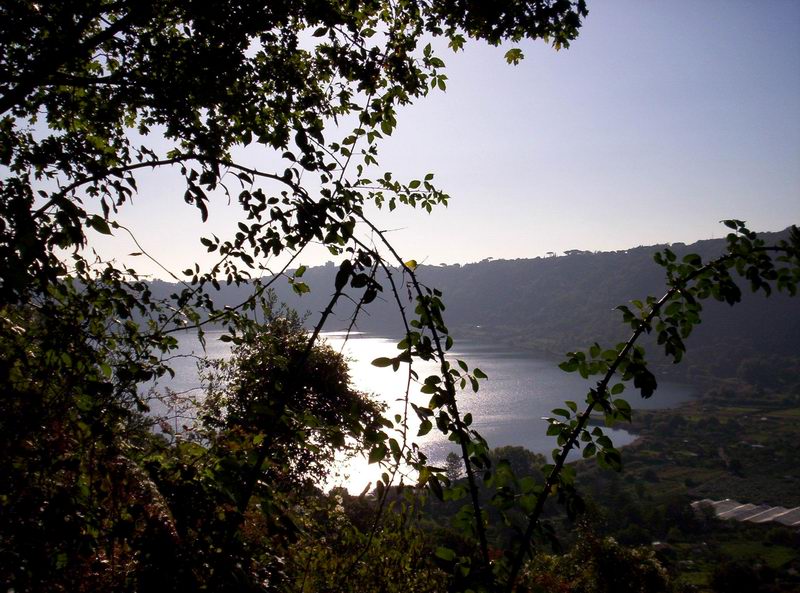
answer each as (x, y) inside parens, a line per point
(507, 410)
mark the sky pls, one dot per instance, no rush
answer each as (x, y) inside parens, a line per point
(660, 120)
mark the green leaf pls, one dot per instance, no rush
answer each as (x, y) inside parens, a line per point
(436, 487)
(99, 224)
(514, 55)
(569, 366)
(424, 428)
(105, 369)
(343, 275)
(610, 355)
(445, 554)
(378, 453)
(382, 362)
(300, 287)
(604, 442)
(622, 405)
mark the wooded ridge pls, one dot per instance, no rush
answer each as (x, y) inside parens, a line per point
(554, 304)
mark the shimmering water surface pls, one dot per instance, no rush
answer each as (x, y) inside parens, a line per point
(507, 410)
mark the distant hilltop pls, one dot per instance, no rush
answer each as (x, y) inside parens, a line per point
(555, 304)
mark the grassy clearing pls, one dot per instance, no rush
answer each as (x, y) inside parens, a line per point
(775, 556)
(708, 449)
(788, 413)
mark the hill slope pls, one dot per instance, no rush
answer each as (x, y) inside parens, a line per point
(556, 304)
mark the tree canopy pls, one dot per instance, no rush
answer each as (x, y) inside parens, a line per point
(87, 85)
(94, 91)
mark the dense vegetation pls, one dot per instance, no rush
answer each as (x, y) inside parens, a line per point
(556, 304)
(97, 494)
(736, 447)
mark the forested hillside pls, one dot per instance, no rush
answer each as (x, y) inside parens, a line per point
(245, 134)
(556, 304)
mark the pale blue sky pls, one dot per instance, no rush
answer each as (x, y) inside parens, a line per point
(661, 119)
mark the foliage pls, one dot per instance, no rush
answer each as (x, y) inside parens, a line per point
(559, 304)
(235, 484)
(86, 81)
(337, 554)
(737, 577)
(598, 565)
(94, 91)
(92, 504)
(671, 317)
(70, 436)
(292, 402)
(689, 461)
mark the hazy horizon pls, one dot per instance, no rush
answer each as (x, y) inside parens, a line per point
(658, 122)
(334, 261)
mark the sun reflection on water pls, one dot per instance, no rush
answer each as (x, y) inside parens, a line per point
(507, 409)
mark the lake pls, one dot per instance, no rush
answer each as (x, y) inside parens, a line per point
(507, 410)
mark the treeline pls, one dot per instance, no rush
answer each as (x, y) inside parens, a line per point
(555, 304)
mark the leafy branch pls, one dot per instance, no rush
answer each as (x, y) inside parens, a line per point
(429, 309)
(672, 316)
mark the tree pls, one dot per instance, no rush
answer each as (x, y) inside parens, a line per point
(85, 80)
(738, 576)
(453, 469)
(86, 85)
(94, 91)
(598, 565)
(295, 404)
(238, 484)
